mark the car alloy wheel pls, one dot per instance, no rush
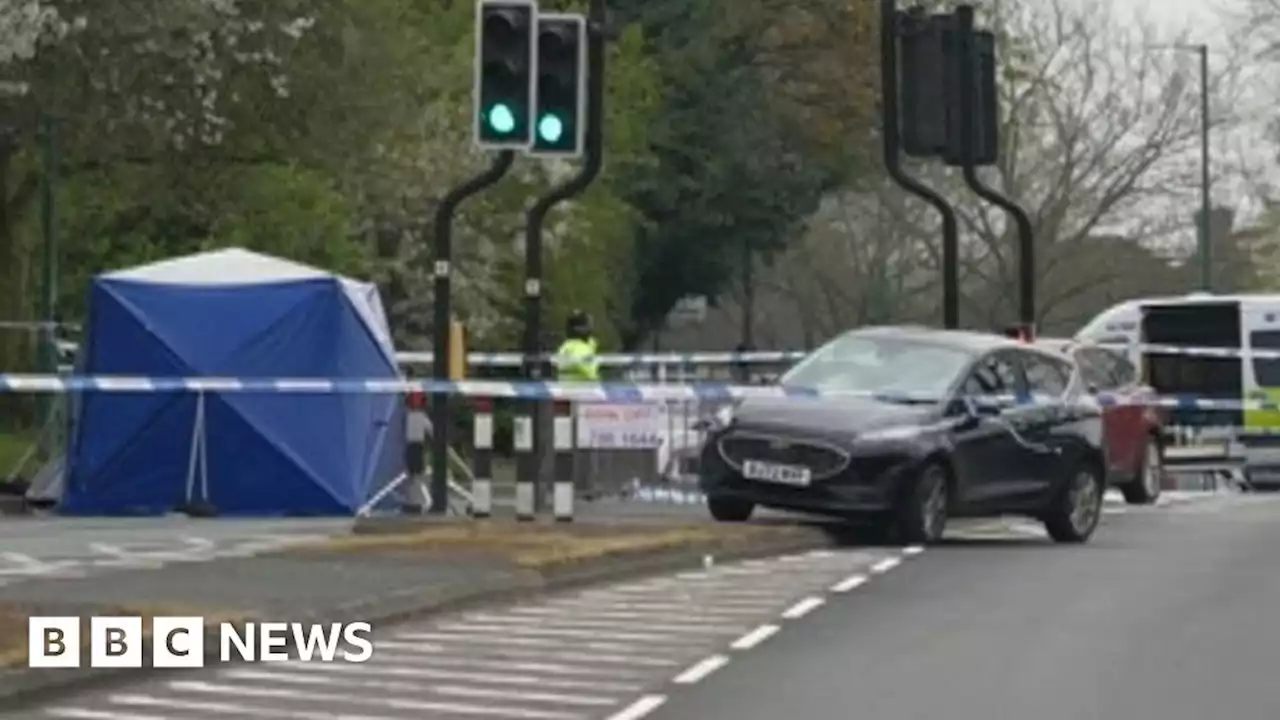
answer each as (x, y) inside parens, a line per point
(933, 507)
(1085, 503)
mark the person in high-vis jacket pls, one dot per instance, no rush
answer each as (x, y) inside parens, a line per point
(576, 359)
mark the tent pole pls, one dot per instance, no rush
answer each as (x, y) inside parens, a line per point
(193, 458)
(204, 450)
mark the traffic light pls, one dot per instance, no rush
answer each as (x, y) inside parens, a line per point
(923, 80)
(560, 86)
(504, 73)
(983, 145)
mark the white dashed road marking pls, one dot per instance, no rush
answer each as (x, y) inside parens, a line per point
(604, 653)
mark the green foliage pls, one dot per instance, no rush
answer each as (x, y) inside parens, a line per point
(327, 132)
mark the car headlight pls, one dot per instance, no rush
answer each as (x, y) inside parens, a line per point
(724, 416)
(906, 432)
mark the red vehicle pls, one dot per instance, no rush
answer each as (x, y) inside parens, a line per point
(1133, 431)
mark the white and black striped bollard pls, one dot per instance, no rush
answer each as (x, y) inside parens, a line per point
(563, 441)
(523, 432)
(482, 464)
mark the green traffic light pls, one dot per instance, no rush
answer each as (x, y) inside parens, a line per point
(501, 119)
(550, 128)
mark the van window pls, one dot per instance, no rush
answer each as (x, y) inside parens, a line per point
(1266, 371)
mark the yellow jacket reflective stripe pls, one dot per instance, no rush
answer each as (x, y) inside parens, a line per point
(576, 360)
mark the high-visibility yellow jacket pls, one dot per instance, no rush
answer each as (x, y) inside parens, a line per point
(576, 361)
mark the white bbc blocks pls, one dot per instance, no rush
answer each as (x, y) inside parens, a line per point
(115, 642)
(53, 642)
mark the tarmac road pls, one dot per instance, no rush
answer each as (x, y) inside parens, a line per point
(1167, 615)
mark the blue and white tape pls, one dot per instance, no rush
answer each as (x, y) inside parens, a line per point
(610, 392)
(514, 359)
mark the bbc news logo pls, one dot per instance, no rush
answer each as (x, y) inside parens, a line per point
(179, 642)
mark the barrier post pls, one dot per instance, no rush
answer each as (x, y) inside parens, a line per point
(482, 486)
(523, 441)
(416, 429)
(563, 489)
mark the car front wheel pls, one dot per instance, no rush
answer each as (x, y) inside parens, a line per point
(726, 509)
(922, 517)
(1145, 488)
(1077, 509)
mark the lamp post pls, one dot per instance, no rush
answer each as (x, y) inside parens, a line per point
(1205, 241)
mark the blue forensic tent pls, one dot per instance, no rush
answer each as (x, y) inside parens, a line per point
(234, 313)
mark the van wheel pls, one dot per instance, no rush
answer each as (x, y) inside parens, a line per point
(1077, 508)
(1145, 488)
(726, 509)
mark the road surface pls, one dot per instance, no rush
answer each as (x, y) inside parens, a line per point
(1169, 615)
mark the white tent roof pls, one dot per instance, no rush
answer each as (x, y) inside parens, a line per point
(232, 266)
(237, 266)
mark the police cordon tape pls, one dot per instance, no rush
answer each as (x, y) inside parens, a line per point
(608, 392)
(515, 359)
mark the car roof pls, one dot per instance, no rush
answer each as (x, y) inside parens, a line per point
(966, 340)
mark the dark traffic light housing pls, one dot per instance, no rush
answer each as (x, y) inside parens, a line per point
(504, 66)
(932, 84)
(560, 85)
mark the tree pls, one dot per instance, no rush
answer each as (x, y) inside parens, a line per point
(1101, 124)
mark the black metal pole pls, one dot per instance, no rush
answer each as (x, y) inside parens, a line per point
(1206, 237)
(889, 26)
(535, 366)
(443, 319)
(1026, 241)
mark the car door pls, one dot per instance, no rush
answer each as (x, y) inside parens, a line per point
(990, 462)
(1048, 382)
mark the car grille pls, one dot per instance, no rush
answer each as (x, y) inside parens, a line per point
(822, 460)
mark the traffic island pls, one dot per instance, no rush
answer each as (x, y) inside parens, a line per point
(381, 578)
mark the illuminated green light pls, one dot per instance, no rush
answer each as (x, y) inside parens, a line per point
(501, 119)
(550, 128)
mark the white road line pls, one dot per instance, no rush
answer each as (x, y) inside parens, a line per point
(639, 708)
(536, 630)
(386, 702)
(416, 665)
(755, 637)
(802, 608)
(724, 591)
(72, 713)
(702, 669)
(886, 565)
(476, 638)
(722, 606)
(849, 583)
(821, 554)
(649, 623)
(324, 674)
(224, 708)
(433, 653)
(912, 550)
(698, 613)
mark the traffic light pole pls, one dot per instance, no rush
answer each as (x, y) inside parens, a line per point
(889, 28)
(1026, 243)
(535, 363)
(443, 315)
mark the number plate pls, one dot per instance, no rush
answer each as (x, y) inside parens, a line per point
(772, 472)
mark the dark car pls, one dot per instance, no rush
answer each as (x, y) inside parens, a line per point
(1133, 427)
(911, 426)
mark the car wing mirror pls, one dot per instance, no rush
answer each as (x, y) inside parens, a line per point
(978, 408)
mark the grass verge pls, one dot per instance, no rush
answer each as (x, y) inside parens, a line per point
(13, 624)
(539, 547)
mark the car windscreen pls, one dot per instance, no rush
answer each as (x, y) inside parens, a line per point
(860, 363)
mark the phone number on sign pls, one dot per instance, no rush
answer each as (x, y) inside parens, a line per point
(630, 440)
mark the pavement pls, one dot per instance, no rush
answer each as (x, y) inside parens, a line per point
(1163, 615)
(52, 547)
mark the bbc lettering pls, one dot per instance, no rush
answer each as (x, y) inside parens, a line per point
(179, 642)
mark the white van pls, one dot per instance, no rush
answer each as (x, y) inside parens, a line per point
(1233, 325)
